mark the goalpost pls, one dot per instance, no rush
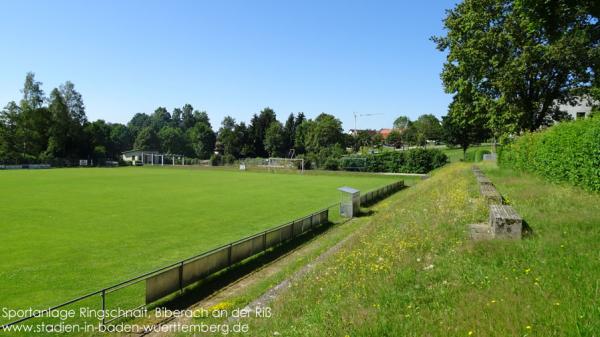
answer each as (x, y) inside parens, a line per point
(274, 163)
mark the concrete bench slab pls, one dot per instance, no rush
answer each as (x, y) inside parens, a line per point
(483, 180)
(505, 222)
(490, 193)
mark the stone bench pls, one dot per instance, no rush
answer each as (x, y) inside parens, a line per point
(483, 180)
(490, 193)
(505, 222)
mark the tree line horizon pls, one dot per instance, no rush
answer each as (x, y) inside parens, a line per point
(56, 130)
(508, 64)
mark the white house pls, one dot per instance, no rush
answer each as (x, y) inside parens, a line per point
(138, 157)
(582, 107)
(141, 157)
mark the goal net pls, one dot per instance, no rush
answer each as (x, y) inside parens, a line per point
(273, 164)
(354, 163)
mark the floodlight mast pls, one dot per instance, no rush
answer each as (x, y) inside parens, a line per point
(362, 115)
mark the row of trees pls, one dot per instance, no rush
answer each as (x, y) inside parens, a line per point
(55, 129)
(40, 127)
(426, 128)
(511, 61)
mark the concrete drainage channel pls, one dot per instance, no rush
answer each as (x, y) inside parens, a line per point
(504, 222)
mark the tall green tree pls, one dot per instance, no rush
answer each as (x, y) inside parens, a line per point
(61, 126)
(428, 127)
(74, 102)
(33, 95)
(187, 116)
(176, 118)
(201, 117)
(138, 122)
(401, 123)
(411, 136)
(97, 134)
(242, 137)
(324, 131)
(160, 118)
(172, 140)
(10, 142)
(299, 133)
(464, 126)
(202, 139)
(289, 133)
(121, 138)
(520, 57)
(395, 139)
(274, 139)
(34, 121)
(147, 139)
(258, 129)
(363, 138)
(227, 139)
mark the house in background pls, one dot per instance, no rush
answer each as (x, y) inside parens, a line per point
(385, 132)
(138, 157)
(582, 107)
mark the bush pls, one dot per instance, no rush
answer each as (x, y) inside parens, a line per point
(216, 160)
(332, 164)
(438, 159)
(228, 159)
(568, 151)
(320, 158)
(353, 163)
(307, 163)
(410, 161)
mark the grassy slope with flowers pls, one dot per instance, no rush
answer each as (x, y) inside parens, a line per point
(413, 272)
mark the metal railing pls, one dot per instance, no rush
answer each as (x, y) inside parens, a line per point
(174, 277)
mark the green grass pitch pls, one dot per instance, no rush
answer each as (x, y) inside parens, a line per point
(66, 232)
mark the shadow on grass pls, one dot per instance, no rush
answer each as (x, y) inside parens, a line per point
(527, 231)
(204, 288)
(365, 213)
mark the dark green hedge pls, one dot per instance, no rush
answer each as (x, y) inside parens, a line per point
(409, 161)
(568, 151)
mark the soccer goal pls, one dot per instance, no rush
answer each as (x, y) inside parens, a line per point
(273, 164)
(354, 163)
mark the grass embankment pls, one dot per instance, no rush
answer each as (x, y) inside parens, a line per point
(66, 232)
(413, 272)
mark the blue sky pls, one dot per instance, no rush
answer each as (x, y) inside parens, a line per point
(231, 57)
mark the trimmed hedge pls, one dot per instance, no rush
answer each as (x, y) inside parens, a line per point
(477, 155)
(409, 161)
(569, 152)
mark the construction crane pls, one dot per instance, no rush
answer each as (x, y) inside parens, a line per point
(362, 115)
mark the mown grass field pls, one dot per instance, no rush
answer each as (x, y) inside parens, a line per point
(66, 232)
(412, 271)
